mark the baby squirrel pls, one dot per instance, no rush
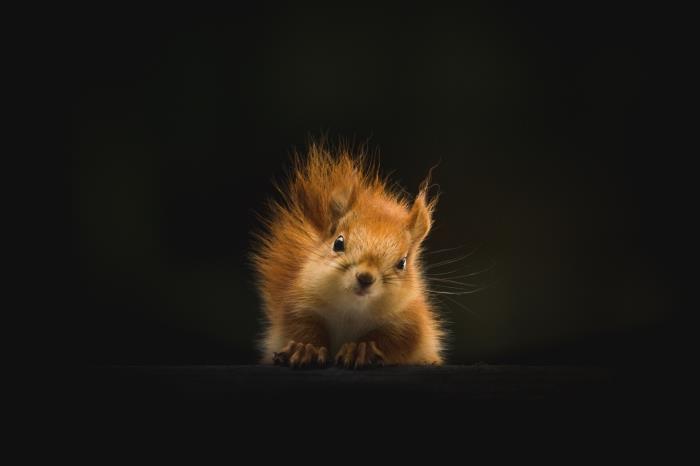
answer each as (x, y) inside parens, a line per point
(339, 269)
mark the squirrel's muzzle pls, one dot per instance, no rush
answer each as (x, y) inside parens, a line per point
(365, 279)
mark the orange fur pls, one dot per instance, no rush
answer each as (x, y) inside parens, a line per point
(312, 301)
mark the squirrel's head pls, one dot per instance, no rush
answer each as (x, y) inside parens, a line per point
(367, 259)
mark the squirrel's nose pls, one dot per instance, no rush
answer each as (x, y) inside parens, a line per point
(365, 279)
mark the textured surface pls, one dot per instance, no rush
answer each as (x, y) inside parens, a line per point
(456, 383)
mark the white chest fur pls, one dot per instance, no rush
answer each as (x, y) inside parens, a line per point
(347, 325)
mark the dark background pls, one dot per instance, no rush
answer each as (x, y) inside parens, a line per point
(551, 166)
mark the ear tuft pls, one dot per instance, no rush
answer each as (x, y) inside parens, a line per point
(420, 219)
(342, 200)
(421, 215)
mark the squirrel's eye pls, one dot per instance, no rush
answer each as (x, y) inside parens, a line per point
(401, 265)
(339, 245)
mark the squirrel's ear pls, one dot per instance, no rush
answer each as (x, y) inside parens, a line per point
(420, 219)
(421, 215)
(342, 200)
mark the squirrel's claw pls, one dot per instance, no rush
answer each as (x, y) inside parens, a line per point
(298, 356)
(359, 355)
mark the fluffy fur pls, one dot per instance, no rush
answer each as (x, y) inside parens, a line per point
(315, 309)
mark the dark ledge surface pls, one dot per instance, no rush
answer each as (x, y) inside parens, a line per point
(451, 382)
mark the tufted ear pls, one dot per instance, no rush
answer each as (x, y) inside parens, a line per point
(342, 200)
(420, 219)
(421, 215)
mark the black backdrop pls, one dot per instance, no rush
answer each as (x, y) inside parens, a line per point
(551, 168)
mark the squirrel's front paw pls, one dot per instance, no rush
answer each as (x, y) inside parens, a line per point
(359, 355)
(299, 355)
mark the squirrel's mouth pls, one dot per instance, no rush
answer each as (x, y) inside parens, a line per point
(361, 291)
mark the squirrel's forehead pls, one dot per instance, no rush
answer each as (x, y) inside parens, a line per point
(383, 224)
(379, 233)
(376, 215)
(382, 212)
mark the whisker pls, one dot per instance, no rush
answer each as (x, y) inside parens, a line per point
(456, 293)
(443, 286)
(431, 276)
(440, 273)
(439, 251)
(446, 262)
(479, 272)
(477, 316)
(453, 282)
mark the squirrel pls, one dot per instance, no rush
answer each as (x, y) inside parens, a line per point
(338, 265)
